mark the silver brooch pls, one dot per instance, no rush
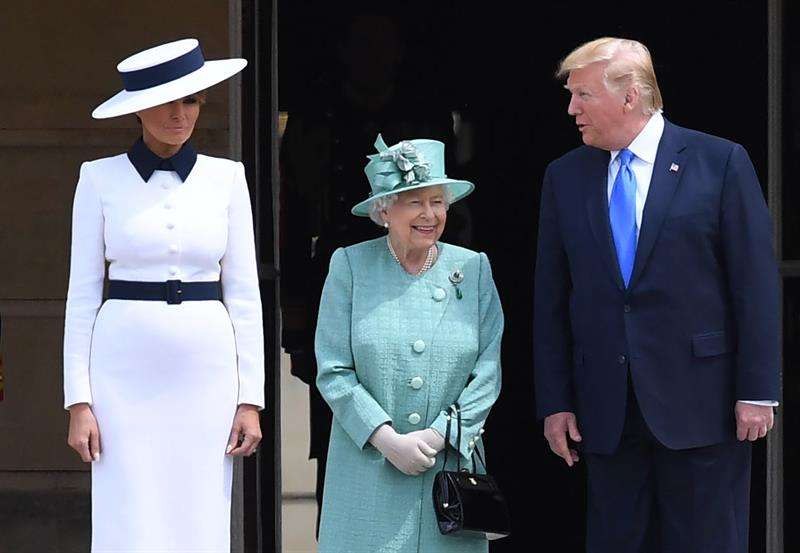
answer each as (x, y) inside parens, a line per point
(456, 278)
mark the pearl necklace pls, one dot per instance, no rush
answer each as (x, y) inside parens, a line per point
(429, 259)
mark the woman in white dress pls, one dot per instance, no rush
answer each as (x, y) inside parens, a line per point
(163, 380)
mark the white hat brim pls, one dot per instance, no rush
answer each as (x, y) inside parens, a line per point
(212, 72)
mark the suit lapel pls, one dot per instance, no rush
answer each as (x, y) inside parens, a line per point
(597, 209)
(667, 171)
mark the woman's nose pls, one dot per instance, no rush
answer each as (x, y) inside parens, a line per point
(177, 110)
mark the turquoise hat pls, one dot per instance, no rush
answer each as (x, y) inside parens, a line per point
(408, 165)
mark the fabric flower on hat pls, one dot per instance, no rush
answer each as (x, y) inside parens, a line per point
(412, 165)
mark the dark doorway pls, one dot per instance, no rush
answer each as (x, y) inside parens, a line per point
(789, 242)
(261, 499)
(487, 70)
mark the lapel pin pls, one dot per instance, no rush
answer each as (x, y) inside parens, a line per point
(674, 168)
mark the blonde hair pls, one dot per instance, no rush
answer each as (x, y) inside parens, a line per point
(628, 63)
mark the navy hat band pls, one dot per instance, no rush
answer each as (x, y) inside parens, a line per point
(163, 72)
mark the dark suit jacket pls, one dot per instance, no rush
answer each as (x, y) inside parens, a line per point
(698, 324)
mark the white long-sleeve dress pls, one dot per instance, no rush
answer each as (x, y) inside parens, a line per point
(163, 380)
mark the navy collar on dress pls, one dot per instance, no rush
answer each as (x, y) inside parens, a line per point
(145, 161)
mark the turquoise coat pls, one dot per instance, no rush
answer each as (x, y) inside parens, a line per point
(399, 349)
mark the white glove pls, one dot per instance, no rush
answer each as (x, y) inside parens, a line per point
(409, 454)
(431, 437)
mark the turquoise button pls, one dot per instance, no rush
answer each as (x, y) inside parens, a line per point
(416, 382)
(414, 418)
(439, 294)
(419, 346)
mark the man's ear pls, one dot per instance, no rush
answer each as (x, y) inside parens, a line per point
(631, 98)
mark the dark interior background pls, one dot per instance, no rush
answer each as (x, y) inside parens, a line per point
(789, 230)
(492, 64)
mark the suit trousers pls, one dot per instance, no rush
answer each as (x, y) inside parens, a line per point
(646, 498)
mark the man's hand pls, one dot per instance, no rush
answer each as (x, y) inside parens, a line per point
(753, 421)
(556, 428)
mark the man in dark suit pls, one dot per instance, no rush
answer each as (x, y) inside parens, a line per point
(656, 314)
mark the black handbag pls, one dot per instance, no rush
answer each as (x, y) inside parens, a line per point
(467, 502)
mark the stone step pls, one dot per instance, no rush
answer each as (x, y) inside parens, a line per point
(44, 512)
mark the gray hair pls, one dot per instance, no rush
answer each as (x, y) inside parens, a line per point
(380, 204)
(385, 202)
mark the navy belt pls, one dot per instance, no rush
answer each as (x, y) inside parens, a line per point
(172, 291)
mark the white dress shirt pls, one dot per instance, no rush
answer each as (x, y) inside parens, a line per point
(645, 147)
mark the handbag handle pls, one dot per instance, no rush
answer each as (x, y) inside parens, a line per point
(455, 408)
(475, 451)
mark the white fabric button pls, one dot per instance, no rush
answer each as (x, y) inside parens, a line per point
(170, 225)
(414, 418)
(439, 294)
(173, 248)
(416, 382)
(173, 270)
(419, 346)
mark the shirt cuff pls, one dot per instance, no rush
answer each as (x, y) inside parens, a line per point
(762, 402)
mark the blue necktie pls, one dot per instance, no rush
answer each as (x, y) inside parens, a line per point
(622, 214)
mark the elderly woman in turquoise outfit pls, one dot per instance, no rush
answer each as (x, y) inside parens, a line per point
(407, 327)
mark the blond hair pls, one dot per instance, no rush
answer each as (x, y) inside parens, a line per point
(628, 63)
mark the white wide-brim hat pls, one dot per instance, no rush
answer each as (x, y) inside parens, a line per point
(163, 74)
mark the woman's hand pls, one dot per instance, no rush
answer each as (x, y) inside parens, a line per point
(407, 452)
(246, 429)
(84, 435)
(430, 437)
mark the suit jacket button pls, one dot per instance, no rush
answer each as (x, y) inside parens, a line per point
(416, 382)
(627, 308)
(419, 346)
(439, 294)
(414, 418)
(622, 359)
